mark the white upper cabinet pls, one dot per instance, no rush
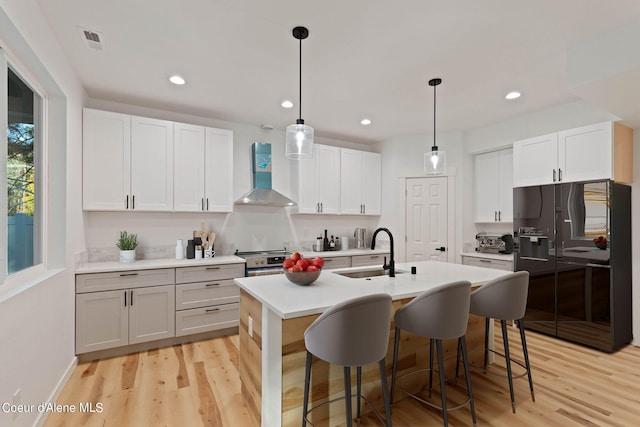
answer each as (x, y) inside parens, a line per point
(143, 164)
(203, 169)
(127, 162)
(360, 182)
(493, 179)
(600, 151)
(316, 181)
(106, 160)
(535, 160)
(151, 164)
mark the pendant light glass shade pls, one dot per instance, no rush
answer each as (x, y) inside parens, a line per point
(299, 137)
(299, 141)
(435, 161)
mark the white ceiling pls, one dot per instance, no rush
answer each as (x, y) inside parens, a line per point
(363, 58)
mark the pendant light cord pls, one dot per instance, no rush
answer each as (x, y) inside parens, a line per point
(434, 115)
(300, 88)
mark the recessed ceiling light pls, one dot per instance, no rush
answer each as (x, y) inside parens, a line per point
(287, 104)
(513, 95)
(177, 80)
(365, 122)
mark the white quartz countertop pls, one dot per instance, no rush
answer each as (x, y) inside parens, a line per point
(149, 264)
(289, 300)
(501, 257)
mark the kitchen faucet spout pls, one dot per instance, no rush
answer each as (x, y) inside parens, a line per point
(392, 264)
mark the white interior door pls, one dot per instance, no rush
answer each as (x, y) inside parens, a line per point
(427, 219)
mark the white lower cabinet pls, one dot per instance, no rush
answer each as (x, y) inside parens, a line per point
(498, 264)
(331, 263)
(207, 299)
(373, 259)
(120, 317)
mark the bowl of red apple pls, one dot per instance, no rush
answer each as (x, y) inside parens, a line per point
(600, 242)
(302, 271)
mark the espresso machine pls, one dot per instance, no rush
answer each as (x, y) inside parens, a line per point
(494, 243)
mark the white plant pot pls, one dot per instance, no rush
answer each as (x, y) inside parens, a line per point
(128, 256)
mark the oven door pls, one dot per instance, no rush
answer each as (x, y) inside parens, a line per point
(263, 271)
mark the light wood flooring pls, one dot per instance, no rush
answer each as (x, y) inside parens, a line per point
(197, 384)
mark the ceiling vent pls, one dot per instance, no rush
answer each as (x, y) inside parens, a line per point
(93, 39)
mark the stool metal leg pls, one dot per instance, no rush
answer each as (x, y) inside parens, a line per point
(486, 342)
(385, 391)
(358, 391)
(307, 380)
(396, 346)
(462, 345)
(430, 365)
(458, 358)
(526, 357)
(347, 394)
(505, 338)
(443, 392)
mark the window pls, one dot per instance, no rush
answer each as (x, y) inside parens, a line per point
(23, 208)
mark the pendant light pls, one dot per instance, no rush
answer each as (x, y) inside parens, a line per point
(435, 161)
(300, 136)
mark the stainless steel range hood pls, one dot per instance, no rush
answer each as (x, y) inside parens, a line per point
(262, 194)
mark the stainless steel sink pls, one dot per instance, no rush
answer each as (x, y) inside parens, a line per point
(367, 273)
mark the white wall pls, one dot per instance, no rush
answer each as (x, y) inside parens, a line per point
(37, 325)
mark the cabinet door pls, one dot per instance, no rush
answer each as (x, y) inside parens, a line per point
(351, 182)
(371, 183)
(486, 181)
(586, 153)
(303, 181)
(218, 170)
(327, 168)
(151, 164)
(152, 313)
(505, 186)
(373, 259)
(188, 184)
(101, 321)
(106, 144)
(534, 160)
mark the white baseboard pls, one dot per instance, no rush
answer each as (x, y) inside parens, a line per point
(42, 416)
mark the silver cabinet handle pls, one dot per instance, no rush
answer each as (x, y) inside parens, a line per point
(125, 298)
(559, 174)
(128, 274)
(209, 310)
(212, 268)
(374, 256)
(499, 215)
(554, 175)
(133, 201)
(321, 207)
(364, 209)
(131, 299)
(318, 207)
(207, 203)
(202, 204)
(127, 202)
(212, 284)
(484, 260)
(495, 216)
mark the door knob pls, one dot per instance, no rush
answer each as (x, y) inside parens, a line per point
(441, 248)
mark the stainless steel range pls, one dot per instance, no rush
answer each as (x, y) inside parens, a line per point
(260, 263)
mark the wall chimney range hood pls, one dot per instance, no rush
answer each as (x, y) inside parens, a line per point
(262, 194)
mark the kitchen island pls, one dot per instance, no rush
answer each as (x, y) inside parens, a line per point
(274, 314)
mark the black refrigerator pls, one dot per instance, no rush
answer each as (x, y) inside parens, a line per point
(578, 291)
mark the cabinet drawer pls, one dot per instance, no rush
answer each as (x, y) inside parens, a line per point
(373, 259)
(124, 280)
(206, 319)
(488, 263)
(203, 294)
(337, 262)
(206, 273)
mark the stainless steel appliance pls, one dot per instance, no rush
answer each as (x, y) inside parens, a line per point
(261, 263)
(578, 291)
(360, 235)
(494, 243)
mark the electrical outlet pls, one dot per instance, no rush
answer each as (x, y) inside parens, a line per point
(250, 326)
(16, 400)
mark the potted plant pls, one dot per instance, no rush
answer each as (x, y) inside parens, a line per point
(127, 245)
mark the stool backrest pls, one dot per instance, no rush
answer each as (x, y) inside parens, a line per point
(440, 313)
(504, 298)
(352, 333)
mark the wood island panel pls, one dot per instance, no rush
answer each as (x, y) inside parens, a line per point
(250, 368)
(327, 380)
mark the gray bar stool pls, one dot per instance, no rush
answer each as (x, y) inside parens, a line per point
(505, 298)
(351, 333)
(440, 313)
